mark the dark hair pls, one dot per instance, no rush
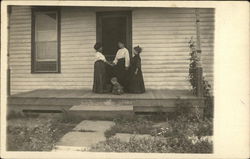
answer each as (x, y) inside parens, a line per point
(120, 41)
(138, 49)
(97, 46)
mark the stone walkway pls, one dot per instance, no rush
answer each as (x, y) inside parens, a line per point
(90, 132)
(83, 136)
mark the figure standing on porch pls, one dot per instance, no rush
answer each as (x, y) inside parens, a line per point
(121, 65)
(136, 82)
(100, 81)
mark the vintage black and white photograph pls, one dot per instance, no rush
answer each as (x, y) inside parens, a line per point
(110, 79)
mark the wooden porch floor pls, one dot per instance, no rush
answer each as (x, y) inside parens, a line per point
(76, 100)
(88, 94)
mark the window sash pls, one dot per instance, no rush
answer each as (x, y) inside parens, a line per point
(41, 64)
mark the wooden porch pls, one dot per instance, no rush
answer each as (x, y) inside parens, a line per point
(88, 94)
(82, 101)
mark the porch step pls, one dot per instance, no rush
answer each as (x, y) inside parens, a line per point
(101, 108)
(101, 111)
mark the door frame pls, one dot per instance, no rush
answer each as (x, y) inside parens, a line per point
(127, 14)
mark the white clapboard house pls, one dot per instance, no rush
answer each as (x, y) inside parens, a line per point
(51, 55)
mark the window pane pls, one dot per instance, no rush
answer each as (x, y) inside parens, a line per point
(46, 51)
(46, 21)
(50, 35)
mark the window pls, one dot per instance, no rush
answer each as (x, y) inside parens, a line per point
(45, 41)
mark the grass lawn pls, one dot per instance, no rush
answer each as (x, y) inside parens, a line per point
(36, 133)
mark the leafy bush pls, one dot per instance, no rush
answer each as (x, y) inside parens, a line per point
(188, 121)
(182, 134)
(181, 128)
(136, 125)
(205, 128)
(110, 145)
(209, 105)
(193, 65)
(153, 145)
(39, 137)
(31, 138)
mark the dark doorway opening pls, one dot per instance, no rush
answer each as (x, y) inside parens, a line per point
(113, 30)
(113, 27)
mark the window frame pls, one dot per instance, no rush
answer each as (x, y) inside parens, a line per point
(33, 37)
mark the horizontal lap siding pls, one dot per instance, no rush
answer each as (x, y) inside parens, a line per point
(20, 48)
(77, 39)
(207, 42)
(164, 34)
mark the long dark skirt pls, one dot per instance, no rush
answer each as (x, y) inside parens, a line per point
(121, 73)
(136, 82)
(100, 81)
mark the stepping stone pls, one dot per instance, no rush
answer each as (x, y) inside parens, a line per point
(90, 125)
(126, 137)
(82, 140)
(84, 135)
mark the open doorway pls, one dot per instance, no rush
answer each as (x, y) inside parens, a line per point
(114, 26)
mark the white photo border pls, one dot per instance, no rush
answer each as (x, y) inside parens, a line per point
(231, 78)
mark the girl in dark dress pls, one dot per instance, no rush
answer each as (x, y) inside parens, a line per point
(121, 64)
(136, 82)
(100, 80)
